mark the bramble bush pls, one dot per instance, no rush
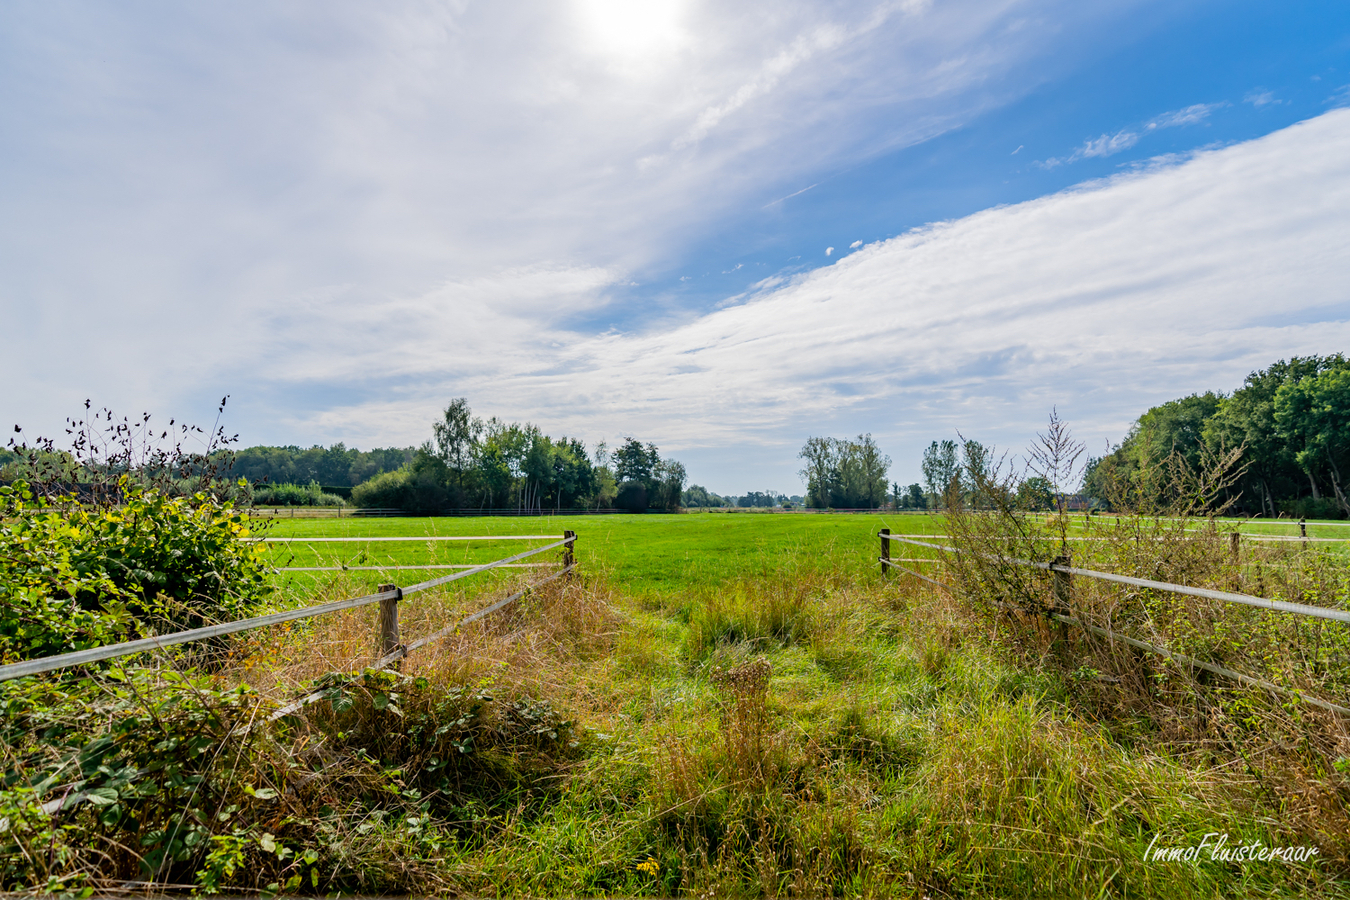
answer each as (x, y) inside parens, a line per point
(74, 576)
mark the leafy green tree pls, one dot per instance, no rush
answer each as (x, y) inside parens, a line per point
(456, 436)
(1313, 416)
(1035, 493)
(699, 497)
(844, 474)
(634, 462)
(940, 468)
(668, 478)
(976, 460)
(821, 471)
(1247, 419)
(1176, 426)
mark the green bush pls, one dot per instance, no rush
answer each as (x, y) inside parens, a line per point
(294, 495)
(419, 487)
(388, 490)
(73, 577)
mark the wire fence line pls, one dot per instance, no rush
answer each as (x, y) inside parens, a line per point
(400, 540)
(1285, 538)
(388, 597)
(427, 567)
(1304, 609)
(402, 650)
(1244, 599)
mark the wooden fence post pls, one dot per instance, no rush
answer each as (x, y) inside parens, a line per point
(885, 550)
(1235, 551)
(1063, 591)
(1062, 584)
(389, 619)
(569, 550)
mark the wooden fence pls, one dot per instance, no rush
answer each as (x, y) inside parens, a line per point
(388, 596)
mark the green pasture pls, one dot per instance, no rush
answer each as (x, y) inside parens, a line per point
(646, 553)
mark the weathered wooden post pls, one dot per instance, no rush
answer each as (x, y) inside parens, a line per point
(885, 550)
(1062, 591)
(1235, 551)
(569, 550)
(1062, 584)
(389, 619)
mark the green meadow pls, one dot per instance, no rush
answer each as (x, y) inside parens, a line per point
(715, 705)
(644, 553)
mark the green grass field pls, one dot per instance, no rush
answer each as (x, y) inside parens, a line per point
(645, 553)
(719, 705)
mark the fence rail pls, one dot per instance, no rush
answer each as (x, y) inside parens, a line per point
(388, 597)
(1064, 572)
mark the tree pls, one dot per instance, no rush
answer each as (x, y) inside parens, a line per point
(634, 462)
(456, 436)
(867, 488)
(1247, 419)
(821, 470)
(1035, 493)
(940, 469)
(668, 478)
(697, 496)
(1313, 416)
(844, 474)
(975, 469)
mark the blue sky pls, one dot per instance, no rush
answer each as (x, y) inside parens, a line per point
(719, 228)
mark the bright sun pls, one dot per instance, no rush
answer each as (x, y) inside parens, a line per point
(631, 29)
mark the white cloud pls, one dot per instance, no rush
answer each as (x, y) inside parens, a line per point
(1101, 300)
(855, 245)
(829, 251)
(1108, 145)
(1340, 97)
(178, 171)
(346, 220)
(1260, 98)
(1191, 115)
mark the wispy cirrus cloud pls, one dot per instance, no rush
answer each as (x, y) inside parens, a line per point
(1125, 138)
(1106, 145)
(1191, 115)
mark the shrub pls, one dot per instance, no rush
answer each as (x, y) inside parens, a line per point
(294, 495)
(73, 577)
(388, 490)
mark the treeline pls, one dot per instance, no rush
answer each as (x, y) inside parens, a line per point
(844, 474)
(472, 463)
(954, 470)
(335, 466)
(698, 497)
(1278, 445)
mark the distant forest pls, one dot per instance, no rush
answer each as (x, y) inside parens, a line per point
(1277, 446)
(469, 463)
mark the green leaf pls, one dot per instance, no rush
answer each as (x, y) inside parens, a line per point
(104, 796)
